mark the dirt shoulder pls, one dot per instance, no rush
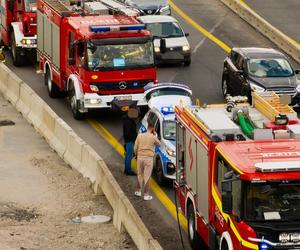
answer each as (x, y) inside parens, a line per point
(40, 194)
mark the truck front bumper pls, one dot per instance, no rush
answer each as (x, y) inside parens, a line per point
(93, 100)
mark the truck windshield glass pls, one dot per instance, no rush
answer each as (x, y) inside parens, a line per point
(279, 200)
(269, 67)
(169, 130)
(165, 29)
(120, 56)
(30, 5)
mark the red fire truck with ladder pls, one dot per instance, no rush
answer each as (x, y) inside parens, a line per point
(238, 173)
(18, 29)
(97, 53)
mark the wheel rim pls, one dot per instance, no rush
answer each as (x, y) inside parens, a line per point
(13, 48)
(225, 87)
(191, 227)
(49, 83)
(73, 102)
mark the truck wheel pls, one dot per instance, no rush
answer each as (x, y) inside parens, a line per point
(74, 105)
(191, 226)
(53, 89)
(160, 178)
(225, 87)
(17, 58)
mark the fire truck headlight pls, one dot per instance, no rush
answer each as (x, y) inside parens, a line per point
(156, 49)
(94, 88)
(92, 101)
(284, 237)
(171, 152)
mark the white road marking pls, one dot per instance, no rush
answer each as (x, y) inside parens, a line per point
(205, 38)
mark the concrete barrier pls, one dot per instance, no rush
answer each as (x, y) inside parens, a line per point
(89, 163)
(35, 114)
(4, 74)
(13, 84)
(23, 105)
(73, 154)
(48, 123)
(59, 141)
(275, 35)
(78, 155)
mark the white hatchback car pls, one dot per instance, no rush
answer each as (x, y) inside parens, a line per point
(170, 41)
(162, 99)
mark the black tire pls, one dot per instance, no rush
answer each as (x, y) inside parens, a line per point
(226, 90)
(74, 105)
(160, 178)
(53, 89)
(187, 62)
(191, 226)
(224, 245)
(17, 58)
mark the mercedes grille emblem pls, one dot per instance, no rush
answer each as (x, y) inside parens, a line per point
(122, 85)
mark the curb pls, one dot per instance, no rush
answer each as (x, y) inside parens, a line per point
(77, 153)
(265, 28)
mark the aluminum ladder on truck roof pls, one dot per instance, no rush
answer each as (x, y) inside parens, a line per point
(119, 8)
(269, 104)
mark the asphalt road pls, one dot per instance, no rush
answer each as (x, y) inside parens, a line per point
(203, 76)
(284, 15)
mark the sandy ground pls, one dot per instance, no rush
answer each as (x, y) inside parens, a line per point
(39, 194)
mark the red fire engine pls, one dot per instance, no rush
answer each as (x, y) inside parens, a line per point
(238, 174)
(18, 29)
(100, 60)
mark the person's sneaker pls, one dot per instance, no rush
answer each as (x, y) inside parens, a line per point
(138, 193)
(148, 197)
(130, 173)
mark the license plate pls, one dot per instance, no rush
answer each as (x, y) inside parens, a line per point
(123, 98)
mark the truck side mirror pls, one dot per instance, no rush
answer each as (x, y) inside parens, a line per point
(186, 34)
(227, 196)
(297, 71)
(162, 45)
(11, 5)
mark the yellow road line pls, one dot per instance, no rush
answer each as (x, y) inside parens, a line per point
(159, 193)
(199, 27)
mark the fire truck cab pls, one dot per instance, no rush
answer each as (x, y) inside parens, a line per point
(18, 28)
(238, 174)
(100, 60)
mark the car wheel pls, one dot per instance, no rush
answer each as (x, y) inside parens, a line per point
(187, 62)
(74, 105)
(160, 178)
(53, 89)
(226, 90)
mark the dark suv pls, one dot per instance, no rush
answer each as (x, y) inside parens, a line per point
(259, 69)
(149, 7)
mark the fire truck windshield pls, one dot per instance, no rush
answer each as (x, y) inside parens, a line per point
(30, 5)
(120, 56)
(272, 200)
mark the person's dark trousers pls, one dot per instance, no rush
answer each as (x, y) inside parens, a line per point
(128, 156)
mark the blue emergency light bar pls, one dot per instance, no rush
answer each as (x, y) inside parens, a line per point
(167, 110)
(99, 29)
